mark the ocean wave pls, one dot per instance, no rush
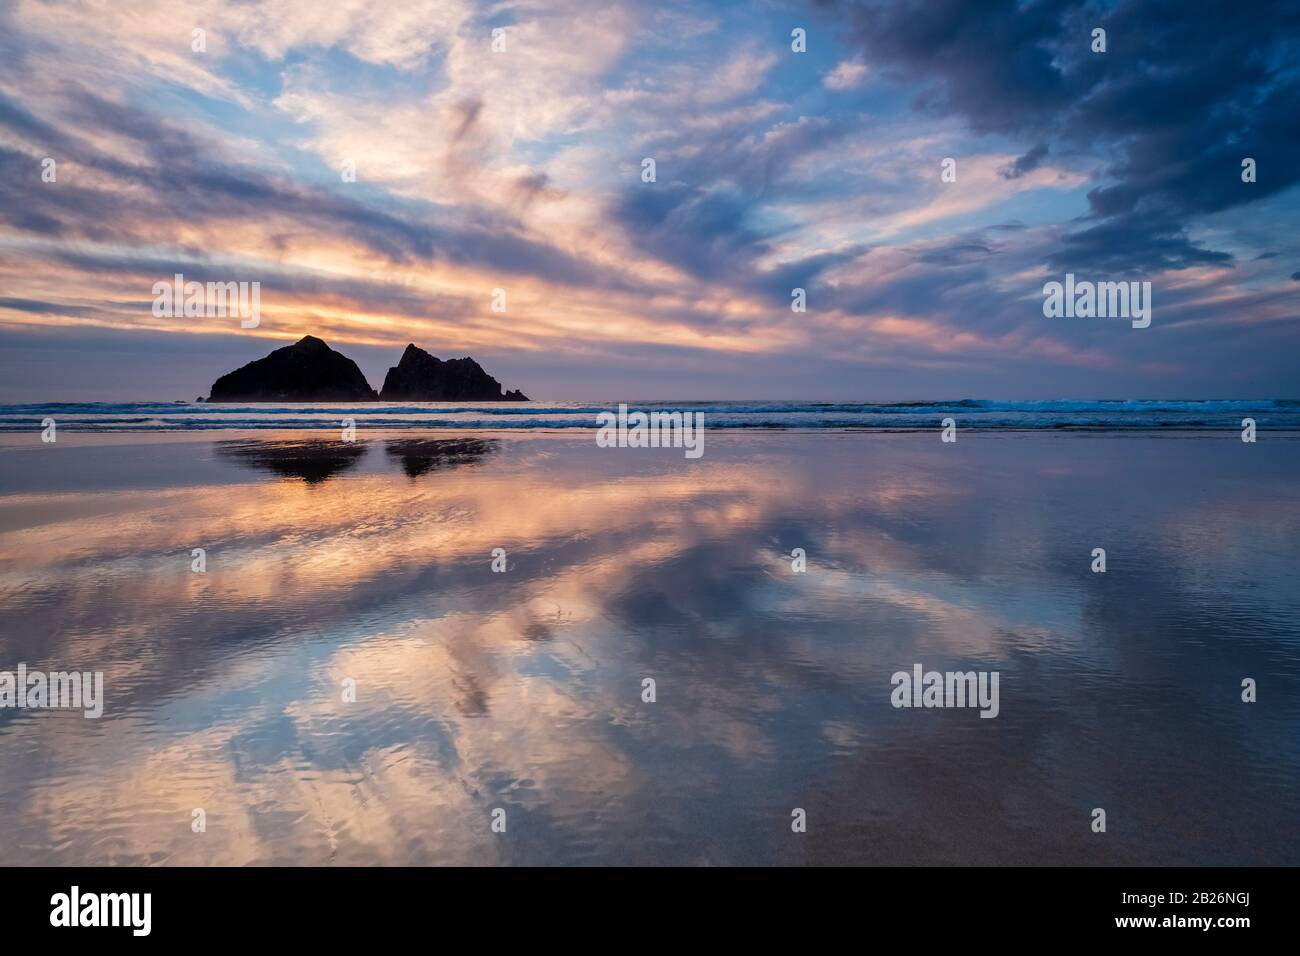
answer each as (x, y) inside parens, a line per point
(1113, 414)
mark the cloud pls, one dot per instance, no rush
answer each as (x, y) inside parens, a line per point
(1182, 94)
(846, 75)
(1026, 163)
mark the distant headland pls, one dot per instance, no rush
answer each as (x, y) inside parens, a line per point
(311, 371)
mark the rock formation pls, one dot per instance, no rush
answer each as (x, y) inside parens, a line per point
(420, 377)
(307, 371)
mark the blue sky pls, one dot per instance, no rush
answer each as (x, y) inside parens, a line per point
(521, 169)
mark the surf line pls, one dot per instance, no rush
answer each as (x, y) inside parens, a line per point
(653, 430)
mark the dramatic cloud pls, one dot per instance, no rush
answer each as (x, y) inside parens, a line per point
(381, 173)
(1181, 95)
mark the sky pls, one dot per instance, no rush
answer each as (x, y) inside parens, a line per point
(522, 168)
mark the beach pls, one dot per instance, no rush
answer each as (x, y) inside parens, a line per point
(365, 570)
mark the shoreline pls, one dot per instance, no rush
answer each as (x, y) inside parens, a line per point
(30, 436)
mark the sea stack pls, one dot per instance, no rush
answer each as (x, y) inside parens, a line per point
(307, 371)
(420, 377)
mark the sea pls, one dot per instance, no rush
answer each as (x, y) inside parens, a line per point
(886, 416)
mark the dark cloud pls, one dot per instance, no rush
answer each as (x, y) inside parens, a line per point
(708, 234)
(18, 120)
(993, 62)
(1183, 93)
(1026, 163)
(1112, 245)
(804, 273)
(39, 307)
(936, 278)
(534, 186)
(467, 115)
(712, 235)
(705, 215)
(958, 251)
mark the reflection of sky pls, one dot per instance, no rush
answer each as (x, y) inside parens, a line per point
(522, 690)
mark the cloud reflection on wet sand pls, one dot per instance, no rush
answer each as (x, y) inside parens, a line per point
(522, 690)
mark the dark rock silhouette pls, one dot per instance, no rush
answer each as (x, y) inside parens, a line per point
(420, 377)
(307, 371)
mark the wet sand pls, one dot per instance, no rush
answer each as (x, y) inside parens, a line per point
(522, 690)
